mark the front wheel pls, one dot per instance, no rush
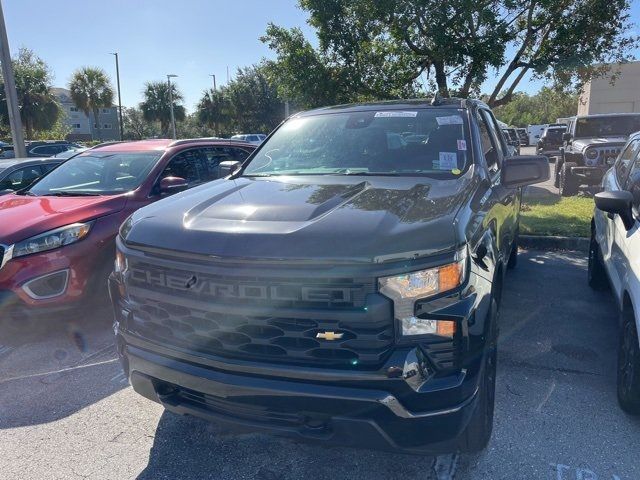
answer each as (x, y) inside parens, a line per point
(476, 436)
(628, 381)
(568, 181)
(596, 273)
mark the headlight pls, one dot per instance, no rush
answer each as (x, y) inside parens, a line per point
(125, 228)
(406, 289)
(53, 239)
(591, 154)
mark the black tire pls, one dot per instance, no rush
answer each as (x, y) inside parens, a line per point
(476, 436)
(568, 182)
(628, 382)
(513, 256)
(596, 274)
(556, 181)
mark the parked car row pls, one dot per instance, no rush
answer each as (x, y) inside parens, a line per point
(41, 149)
(341, 281)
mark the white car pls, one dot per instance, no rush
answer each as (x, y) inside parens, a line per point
(254, 138)
(614, 259)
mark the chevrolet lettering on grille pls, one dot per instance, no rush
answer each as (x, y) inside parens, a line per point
(250, 291)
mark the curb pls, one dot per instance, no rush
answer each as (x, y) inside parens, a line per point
(540, 242)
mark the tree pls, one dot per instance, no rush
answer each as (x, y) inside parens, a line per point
(457, 43)
(156, 105)
(39, 109)
(544, 107)
(253, 100)
(91, 90)
(135, 125)
(213, 109)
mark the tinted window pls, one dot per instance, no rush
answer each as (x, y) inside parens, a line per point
(21, 178)
(98, 173)
(190, 165)
(429, 141)
(633, 184)
(607, 126)
(487, 143)
(624, 161)
(215, 155)
(48, 149)
(495, 133)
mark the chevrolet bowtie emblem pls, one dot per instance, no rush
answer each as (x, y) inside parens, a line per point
(329, 335)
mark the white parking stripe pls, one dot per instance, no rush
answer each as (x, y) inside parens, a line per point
(445, 466)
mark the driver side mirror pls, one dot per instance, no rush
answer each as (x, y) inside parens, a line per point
(171, 185)
(618, 202)
(566, 136)
(229, 167)
(520, 171)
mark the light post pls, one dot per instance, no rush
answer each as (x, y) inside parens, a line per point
(173, 118)
(119, 98)
(214, 81)
(10, 92)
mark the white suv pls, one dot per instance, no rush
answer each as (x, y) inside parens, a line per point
(614, 258)
(254, 138)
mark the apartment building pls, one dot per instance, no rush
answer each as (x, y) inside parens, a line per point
(85, 127)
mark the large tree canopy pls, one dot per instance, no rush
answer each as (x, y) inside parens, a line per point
(382, 48)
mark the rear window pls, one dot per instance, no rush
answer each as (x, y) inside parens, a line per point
(387, 142)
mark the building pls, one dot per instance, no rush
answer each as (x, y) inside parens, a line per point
(600, 96)
(84, 127)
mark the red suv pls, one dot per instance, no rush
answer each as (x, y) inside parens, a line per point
(57, 236)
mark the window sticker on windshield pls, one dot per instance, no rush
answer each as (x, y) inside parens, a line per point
(449, 120)
(462, 145)
(447, 161)
(403, 114)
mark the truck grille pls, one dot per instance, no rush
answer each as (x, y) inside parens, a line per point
(251, 290)
(272, 338)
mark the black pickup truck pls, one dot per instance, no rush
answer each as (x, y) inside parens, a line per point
(341, 285)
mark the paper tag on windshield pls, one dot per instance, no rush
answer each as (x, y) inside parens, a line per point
(462, 145)
(449, 120)
(448, 161)
(403, 114)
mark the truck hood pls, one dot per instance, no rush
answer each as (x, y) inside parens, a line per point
(22, 217)
(580, 144)
(351, 218)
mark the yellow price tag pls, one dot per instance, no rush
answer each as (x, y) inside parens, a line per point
(455, 171)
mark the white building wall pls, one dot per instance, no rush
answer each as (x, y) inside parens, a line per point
(600, 96)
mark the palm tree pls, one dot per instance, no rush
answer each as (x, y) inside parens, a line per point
(91, 90)
(155, 106)
(213, 109)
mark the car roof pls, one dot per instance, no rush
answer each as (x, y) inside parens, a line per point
(394, 105)
(10, 162)
(161, 144)
(597, 115)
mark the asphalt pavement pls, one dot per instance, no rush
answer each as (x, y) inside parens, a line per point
(66, 410)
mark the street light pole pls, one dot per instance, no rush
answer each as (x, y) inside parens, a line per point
(173, 118)
(10, 91)
(119, 98)
(214, 81)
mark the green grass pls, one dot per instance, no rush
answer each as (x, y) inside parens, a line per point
(570, 217)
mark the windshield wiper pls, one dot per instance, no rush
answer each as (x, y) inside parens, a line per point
(71, 194)
(26, 192)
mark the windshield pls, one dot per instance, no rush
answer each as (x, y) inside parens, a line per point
(408, 142)
(618, 126)
(97, 173)
(554, 134)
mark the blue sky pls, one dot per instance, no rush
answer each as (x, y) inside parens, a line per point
(189, 38)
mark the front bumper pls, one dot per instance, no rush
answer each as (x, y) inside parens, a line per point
(410, 403)
(590, 175)
(340, 415)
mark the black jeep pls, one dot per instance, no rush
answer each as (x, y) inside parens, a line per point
(342, 285)
(591, 145)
